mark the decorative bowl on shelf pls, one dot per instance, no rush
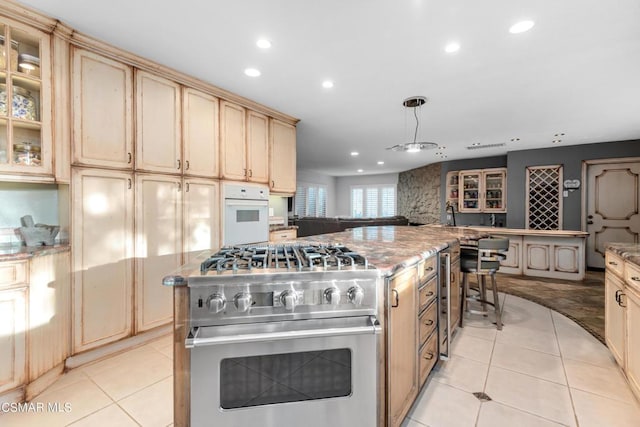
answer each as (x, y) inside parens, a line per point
(37, 234)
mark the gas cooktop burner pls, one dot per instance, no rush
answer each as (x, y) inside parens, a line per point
(283, 257)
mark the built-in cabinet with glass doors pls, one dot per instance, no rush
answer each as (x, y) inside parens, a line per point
(479, 190)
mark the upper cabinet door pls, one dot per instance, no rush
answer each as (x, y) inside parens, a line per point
(102, 114)
(232, 142)
(282, 167)
(470, 188)
(257, 147)
(200, 133)
(158, 147)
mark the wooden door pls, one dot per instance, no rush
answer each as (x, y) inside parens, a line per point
(12, 338)
(233, 157)
(632, 301)
(613, 207)
(158, 118)
(282, 166)
(614, 317)
(158, 247)
(402, 344)
(102, 113)
(200, 134)
(257, 147)
(201, 227)
(102, 254)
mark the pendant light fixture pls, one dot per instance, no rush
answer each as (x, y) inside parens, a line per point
(414, 102)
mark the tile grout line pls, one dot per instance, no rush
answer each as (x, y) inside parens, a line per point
(564, 369)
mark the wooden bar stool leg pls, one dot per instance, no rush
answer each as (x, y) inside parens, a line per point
(482, 285)
(496, 302)
(465, 291)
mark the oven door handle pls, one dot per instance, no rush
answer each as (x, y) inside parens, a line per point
(261, 203)
(193, 340)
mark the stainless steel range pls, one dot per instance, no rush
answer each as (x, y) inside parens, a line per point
(286, 335)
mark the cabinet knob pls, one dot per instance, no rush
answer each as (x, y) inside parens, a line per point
(186, 164)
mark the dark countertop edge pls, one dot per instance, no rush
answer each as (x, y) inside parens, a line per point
(18, 252)
(628, 251)
(282, 227)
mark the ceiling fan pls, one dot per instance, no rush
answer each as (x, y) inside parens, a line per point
(414, 102)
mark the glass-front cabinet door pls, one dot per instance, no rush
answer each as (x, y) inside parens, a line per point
(25, 105)
(494, 192)
(470, 183)
(453, 189)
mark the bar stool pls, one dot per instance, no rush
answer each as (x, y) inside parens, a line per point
(483, 260)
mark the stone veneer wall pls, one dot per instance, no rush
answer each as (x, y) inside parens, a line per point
(419, 194)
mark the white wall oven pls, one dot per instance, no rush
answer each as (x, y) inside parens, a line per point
(245, 214)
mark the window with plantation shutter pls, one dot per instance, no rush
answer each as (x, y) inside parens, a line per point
(310, 200)
(373, 201)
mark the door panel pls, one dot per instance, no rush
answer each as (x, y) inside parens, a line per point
(613, 193)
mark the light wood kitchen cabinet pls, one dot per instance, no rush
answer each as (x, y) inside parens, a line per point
(233, 153)
(632, 356)
(545, 258)
(513, 262)
(49, 313)
(200, 134)
(402, 344)
(158, 247)
(615, 317)
(26, 150)
(483, 190)
(158, 119)
(257, 147)
(13, 324)
(282, 166)
(452, 189)
(102, 256)
(102, 91)
(201, 223)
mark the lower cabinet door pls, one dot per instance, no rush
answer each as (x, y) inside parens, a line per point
(428, 356)
(614, 317)
(12, 338)
(158, 247)
(632, 300)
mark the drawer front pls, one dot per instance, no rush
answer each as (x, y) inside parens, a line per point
(632, 276)
(428, 292)
(13, 273)
(428, 356)
(278, 236)
(428, 321)
(614, 263)
(427, 268)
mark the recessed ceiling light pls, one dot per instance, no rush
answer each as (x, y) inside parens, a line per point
(475, 144)
(263, 43)
(555, 141)
(252, 72)
(354, 153)
(327, 84)
(360, 170)
(515, 139)
(559, 134)
(442, 147)
(381, 162)
(452, 47)
(521, 27)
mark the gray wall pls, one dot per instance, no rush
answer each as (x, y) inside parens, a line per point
(343, 189)
(571, 157)
(308, 177)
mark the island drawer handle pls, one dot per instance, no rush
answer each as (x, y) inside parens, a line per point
(636, 278)
(429, 356)
(428, 294)
(397, 298)
(429, 322)
(613, 263)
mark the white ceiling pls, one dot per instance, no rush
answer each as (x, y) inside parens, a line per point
(576, 72)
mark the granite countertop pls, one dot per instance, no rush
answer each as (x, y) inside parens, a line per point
(391, 248)
(629, 251)
(14, 251)
(280, 227)
(518, 231)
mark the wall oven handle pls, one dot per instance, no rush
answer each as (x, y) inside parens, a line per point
(263, 203)
(193, 340)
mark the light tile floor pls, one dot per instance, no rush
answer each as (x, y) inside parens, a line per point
(542, 369)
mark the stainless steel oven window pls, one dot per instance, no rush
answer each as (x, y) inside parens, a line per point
(281, 378)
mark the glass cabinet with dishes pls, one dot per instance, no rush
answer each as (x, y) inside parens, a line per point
(483, 190)
(452, 189)
(25, 111)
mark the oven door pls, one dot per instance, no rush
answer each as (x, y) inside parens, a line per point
(245, 221)
(312, 373)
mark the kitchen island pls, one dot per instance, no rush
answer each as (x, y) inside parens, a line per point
(556, 254)
(405, 258)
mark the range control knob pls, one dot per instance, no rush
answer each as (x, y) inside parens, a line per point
(216, 303)
(355, 294)
(332, 296)
(242, 301)
(289, 299)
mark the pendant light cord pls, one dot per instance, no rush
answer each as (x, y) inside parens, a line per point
(415, 134)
